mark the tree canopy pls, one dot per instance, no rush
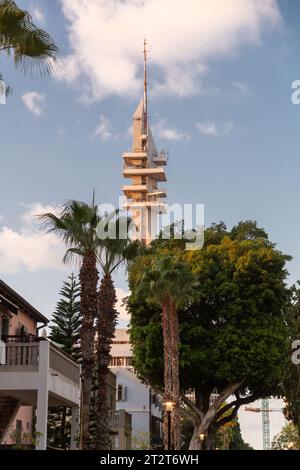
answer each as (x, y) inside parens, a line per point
(291, 378)
(233, 334)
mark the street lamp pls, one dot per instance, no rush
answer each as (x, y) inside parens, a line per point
(202, 437)
(290, 445)
(169, 405)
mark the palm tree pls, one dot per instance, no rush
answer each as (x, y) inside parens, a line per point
(31, 46)
(77, 225)
(112, 253)
(170, 287)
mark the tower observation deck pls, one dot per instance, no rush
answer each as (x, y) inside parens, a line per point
(145, 167)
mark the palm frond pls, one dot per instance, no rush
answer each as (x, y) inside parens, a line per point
(32, 47)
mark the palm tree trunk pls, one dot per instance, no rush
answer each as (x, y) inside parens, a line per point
(174, 330)
(88, 305)
(106, 326)
(166, 329)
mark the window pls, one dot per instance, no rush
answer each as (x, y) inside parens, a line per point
(128, 361)
(121, 392)
(117, 361)
(5, 327)
(117, 441)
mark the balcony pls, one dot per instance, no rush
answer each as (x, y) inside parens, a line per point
(160, 159)
(156, 205)
(129, 171)
(120, 418)
(22, 357)
(120, 425)
(39, 374)
(134, 156)
(139, 188)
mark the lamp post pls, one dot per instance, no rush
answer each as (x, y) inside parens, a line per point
(202, 437)
(291, 446)
(169, 405)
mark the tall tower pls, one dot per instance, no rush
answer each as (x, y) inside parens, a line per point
(145, 167)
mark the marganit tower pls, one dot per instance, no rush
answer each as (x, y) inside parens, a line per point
(144, 166)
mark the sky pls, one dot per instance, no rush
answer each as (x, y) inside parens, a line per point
(220, 87)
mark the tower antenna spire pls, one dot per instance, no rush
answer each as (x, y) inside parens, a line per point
(145, 89)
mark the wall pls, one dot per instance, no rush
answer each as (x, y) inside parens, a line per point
(136, 403)
(25, 320)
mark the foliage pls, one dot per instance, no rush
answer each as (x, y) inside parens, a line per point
(287, 439)
(30, 46)
(66, 319)
(234, 330)
(112, 253)
(141, 441)
(65, 332)
(291, 379)
(76, 225)
(24, 441)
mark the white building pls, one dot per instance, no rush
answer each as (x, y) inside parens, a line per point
(138, 399)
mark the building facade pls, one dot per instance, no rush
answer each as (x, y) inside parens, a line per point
(34, 375)
(136, 398)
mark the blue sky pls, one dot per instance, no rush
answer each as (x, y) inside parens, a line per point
(220, 78)
(241, 161)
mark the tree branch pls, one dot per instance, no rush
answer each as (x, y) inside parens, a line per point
(192, 405)
(236, 404)
(218, 424)
(3, 48)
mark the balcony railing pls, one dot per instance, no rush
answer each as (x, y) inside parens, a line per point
(64, 365)
(155, 200)
(21, 355)
(26, 338)
(120, 418)
(26, 357)
(142, 166)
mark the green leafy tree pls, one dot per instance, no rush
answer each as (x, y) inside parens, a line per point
(287, 439)
(77, 225)
(233, 333)
(291, 378)
(31, 47)
(65, 331)
(236, 440)
(66, 320)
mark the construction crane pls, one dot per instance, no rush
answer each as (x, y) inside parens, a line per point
(265, 410)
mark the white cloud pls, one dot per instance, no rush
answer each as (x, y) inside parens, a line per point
(184, 36)
(38, 15)
(213, 129)
(30, 249)
(103, 129)
(163, 131)
(124, 317)
(32, 212)
(34, 102)
(241, 87)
